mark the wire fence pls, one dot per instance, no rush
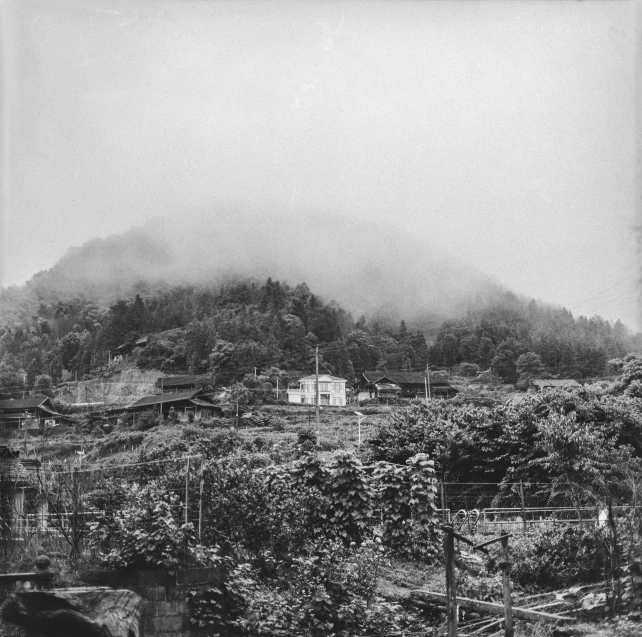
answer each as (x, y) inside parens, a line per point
(66, 504)
(490, 507)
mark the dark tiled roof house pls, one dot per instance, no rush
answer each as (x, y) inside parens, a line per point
(194, 401)
(400, 384)
(15, 412)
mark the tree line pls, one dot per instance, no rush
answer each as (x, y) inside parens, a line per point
(230, 330)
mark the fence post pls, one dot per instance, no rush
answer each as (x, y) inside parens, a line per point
(451, 590)
(443, 503)
(508, 602)
(521, 495)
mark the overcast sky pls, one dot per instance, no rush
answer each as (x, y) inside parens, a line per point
(503, 133)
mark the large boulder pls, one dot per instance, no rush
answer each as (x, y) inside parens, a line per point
(96, 611)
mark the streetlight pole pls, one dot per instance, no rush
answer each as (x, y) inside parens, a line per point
(360, 417)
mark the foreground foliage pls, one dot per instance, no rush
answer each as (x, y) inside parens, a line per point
(330, 589)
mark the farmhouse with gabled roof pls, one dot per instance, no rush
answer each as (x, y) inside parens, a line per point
(385, 384)
(194, 401)
(37, 411)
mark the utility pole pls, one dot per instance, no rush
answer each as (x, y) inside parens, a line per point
(317, 395)
(160, 404)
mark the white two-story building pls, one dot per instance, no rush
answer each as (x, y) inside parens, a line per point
(332, 391)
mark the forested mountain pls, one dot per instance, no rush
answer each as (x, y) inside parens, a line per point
(495, 335)
(232, 329)
(228, 331)
(366, 268)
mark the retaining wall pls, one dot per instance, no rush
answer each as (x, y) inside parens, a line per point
(166, 612)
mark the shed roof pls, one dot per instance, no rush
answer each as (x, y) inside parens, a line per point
(184, 380)
(24, 403)
(403, 378)
(157, 399)
(550, 382)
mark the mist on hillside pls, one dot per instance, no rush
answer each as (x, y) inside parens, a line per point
(366, 267)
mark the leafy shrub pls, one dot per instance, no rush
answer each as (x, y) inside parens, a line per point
(328, 590)
(352, 498)
(325, 444)
(558, 557)
(147, 420)
(406, 497)
(144, 532)
(271, 512)
(306, 440)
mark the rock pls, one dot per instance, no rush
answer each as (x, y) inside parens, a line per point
(96, 611)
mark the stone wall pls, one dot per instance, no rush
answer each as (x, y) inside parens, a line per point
(166, 613)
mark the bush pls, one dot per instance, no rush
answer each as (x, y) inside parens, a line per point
(147, 420)
(328, 590)
(558, 557)
(305, 440)
(144, 532)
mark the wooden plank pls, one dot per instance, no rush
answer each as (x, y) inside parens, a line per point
(463, 538)
(495, 539)
(491, 608)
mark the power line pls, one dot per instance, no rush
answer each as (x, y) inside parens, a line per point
(603, 291)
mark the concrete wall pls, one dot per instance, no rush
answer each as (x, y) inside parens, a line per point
(166, 612)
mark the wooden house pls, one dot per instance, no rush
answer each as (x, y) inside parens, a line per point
(385, 385)
(550, 383)
(183, 403)
(33, 412)
(123, 351)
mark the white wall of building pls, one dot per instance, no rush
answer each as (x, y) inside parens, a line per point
(332, 391)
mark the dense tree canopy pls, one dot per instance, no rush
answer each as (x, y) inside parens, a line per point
(497, 334)
(231, 329)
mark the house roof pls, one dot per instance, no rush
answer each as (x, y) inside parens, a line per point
(403, 378)
(157, 399)
(142, 341)
(322, 377)
(387, 386)
(549, 382)
(184, 380)
(24, 403)
(202, 403)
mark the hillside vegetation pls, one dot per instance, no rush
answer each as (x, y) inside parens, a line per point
(247, 326)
